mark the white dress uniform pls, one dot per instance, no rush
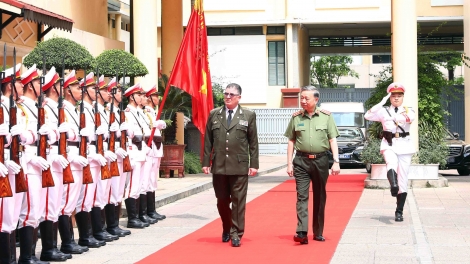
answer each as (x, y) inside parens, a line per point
(71, 191)
(10, 206)
(118, 184)
(138, 157)
(398, 156)
(102, 186)
(33, 205)
(155, 154)
(87, 197)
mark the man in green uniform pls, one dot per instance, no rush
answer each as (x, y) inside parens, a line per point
(231, 144)
(312, 132)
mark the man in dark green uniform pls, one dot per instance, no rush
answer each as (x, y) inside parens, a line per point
(231, 143)
(312, 132)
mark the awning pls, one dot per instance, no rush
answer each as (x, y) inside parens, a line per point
(36, 14)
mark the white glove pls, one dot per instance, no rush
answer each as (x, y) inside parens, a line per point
(59, 159)
(114, 127)
(124, 126)
(39, 162)
(133, 163)
(85, 132)
(121, 153)
(145, 148)
(98, 157)
(12, 166)
(159, 124)
(17, 130)
(4, 130)
(378, 106)
(102, 130)
(109, 155)
(47, 130)
(3, 170)
(81, 161)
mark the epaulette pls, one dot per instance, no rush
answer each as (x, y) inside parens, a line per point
(326, 112)
(127, 109)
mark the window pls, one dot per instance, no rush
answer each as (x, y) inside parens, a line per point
(281, 30)
(381, 59)
(227, 31)
(276, 63)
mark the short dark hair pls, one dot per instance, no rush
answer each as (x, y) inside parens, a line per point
(236, 86)
(316, 92)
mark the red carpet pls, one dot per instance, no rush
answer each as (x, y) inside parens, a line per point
(270, 226)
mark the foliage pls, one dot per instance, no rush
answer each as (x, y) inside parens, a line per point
(176, 101)
(326, 70)
(192, 163)
(217, 92)
(114, 61)
(432, 149)
(371, 152)
(77, 56)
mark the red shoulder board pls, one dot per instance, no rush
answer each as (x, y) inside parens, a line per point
(326, 112)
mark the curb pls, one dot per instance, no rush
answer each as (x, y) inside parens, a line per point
(384, 184)
(193, 189)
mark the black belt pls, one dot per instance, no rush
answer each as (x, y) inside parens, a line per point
(405, 134)
(311, 155)
(73, 144)
(93, 143)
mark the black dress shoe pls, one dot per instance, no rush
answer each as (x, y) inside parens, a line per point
(235, 242)
(301, 237)
(319, 238)
(398, 217)
(225, 237)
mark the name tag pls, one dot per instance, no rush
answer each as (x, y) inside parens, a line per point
(243, 123)
(300, 124)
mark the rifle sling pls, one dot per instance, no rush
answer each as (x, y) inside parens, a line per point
(25, 105)
(401, 128)
(72, 117)
(6, 108)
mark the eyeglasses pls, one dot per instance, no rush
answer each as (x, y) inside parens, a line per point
(231, 94)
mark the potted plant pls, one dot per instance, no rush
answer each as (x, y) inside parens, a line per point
(374, 161)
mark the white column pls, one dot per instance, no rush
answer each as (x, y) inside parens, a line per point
(145, 39)
(466, 47)
(405, 54)
(117, 24)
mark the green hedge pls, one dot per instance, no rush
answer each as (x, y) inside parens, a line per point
(192, 163)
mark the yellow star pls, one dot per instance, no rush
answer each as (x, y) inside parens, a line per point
(204, 85)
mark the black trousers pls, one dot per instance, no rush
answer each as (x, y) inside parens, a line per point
(316, 171)
(231, 189)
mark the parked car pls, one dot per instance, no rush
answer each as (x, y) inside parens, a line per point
(350, 143)
(459, 154)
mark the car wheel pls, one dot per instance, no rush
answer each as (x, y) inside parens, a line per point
(463, 171)
(368, 167)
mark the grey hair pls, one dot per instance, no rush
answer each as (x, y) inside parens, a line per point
(316, 92)
(236, 86)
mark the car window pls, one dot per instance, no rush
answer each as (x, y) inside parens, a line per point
(349, 134)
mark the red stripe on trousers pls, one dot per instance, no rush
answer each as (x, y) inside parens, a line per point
(130, 185)
(84, 197)
(27, 199)
(66, 199)
(47, 202)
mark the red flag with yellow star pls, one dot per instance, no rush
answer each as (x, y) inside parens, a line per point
(191, 69)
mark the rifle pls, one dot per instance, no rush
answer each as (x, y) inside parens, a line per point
(87, 177)
(15, 148)
(5, 187)
(113, 166)
(126, 163)
(67, 172)
(47, 180)
(99, 138)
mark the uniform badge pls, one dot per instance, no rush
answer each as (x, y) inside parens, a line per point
(215, 122)
(300, 124)
(243, 123)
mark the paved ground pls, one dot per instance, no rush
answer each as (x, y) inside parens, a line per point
(436, 227)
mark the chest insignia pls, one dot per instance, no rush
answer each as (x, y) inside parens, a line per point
(301, 124)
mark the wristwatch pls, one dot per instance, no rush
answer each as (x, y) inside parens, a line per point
(336, 160)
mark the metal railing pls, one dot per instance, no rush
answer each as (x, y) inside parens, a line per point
(379, 41)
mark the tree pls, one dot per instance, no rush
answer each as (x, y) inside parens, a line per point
(326, 70)
(77, 56)
(117, 61)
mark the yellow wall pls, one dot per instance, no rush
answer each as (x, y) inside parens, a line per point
(424, 8)
(88, 15)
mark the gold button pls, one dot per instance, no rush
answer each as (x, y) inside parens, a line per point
(226, 155)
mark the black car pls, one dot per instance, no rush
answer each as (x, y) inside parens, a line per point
(459, 154)
(350, 143)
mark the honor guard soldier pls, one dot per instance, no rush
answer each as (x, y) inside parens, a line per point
(33, 202)
(71, 191)
(10, 209)
(87, 198)
(103, 185)
(311, 133)
(138, 152)
(117, 183)
(53, 195)
(397, 147)
(152, 164)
